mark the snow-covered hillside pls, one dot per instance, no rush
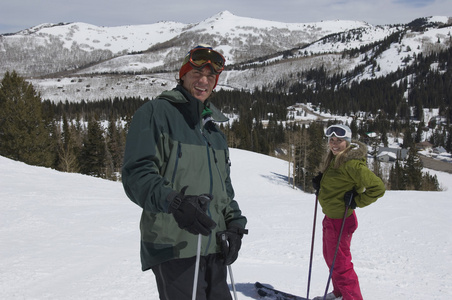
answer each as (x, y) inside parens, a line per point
(116, 39)
(69, 236)
(81, 58)
(229, 32)
(51, 48)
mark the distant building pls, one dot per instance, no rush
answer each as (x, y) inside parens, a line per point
(370, 136)
(386, 154)
(424, 146)
(439, 150)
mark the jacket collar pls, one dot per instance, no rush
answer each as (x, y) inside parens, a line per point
(180, 96)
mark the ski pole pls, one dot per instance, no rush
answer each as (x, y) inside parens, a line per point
(223, 237)
(198, 258)
(337, 248)
(312, 246)
(232, 282)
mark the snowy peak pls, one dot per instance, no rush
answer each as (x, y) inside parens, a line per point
(222, 15)
(118, 39)
(224, 26)
(258, 52)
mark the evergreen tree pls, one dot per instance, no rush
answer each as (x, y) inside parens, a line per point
(115, 145)
(317, 150)
(93, 154)
(384, 138)
(448, 145)
(419, 132)
(374, 143)
(413, 169)
(23, 132)
(396, 177)
(430, 183)
(53, 128)
(408, 137)
(67, 151)
(301, 145)
(354, 129)
(393, 182)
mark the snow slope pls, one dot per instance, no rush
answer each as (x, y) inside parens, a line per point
(69, 236)
(116, 39)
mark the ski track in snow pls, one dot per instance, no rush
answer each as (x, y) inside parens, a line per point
(69, 236)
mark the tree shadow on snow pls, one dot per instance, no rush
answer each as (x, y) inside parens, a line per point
(278, 178)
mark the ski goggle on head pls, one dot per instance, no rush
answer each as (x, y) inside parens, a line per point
(338, 131)
(200, 57)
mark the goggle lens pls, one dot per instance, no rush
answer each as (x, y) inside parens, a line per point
(337, 131)
(199, 58)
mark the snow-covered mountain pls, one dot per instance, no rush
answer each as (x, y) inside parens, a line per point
(70, 236)
(234, 36)
(83, 61)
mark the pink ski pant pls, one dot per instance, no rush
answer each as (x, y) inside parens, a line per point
(345, 281)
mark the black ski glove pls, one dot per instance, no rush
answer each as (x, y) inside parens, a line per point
(316, 183)
(190, 212)
(230, 242)
(349, 199)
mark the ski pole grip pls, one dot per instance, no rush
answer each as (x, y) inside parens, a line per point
(348, 197)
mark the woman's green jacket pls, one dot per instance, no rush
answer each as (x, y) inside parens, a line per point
(352, 174)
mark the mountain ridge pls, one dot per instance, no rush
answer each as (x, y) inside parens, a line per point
(259, 53)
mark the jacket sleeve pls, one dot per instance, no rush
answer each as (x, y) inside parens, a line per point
(369, 186)
(141, 178)
(232, 213)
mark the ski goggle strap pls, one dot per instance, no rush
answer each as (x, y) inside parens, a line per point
(337, 131)
(200, 57)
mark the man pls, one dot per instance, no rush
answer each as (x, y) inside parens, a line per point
(176, 167)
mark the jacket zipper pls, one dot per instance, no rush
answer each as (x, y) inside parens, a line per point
(179, 155)
(208, 147)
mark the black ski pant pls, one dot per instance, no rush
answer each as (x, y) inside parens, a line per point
(175, 279)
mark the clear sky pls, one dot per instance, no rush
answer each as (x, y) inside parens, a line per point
(16, 15)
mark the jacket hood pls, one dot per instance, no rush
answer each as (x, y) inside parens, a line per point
(176, 95)
(357, 150)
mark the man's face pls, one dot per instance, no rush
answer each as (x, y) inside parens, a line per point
(199, 83)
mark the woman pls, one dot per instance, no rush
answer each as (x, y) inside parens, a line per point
(344, 184)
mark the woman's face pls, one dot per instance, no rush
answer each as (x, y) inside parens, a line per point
(337, 145)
